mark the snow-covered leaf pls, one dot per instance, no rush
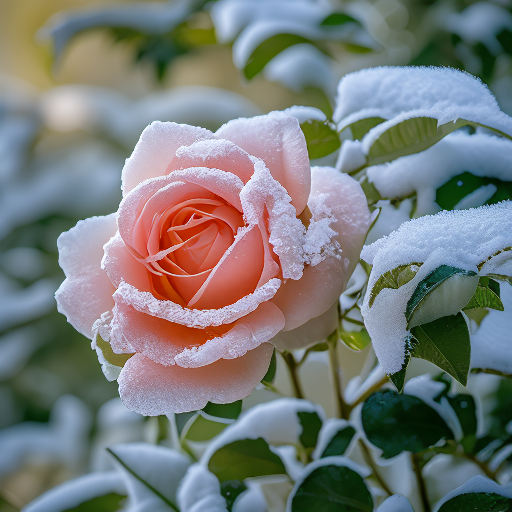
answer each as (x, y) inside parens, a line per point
(394, 279)
(100, 492)
(245, 458)
(396, 503)
(333, 484)
(396, 423)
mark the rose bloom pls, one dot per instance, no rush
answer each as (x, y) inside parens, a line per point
(225, 245)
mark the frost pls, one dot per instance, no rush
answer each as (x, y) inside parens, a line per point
(490, 345)
(462, 239)
(286, 230)
(396, 503)
(478, 484)
(198, 318)
(251, 500)
(303, 114)
(423, 173)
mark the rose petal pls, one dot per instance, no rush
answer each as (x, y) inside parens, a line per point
(278, 140)
(321, 285)
(152, 389)
(146, 303)
(215, 154)
(86, 292)
(246, 334)
(312, 332)
(236, 275)
(156, 149)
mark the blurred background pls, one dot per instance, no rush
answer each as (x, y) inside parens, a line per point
(79, 81)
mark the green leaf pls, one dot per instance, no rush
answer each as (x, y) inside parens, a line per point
(339, 442)
(371, 193)
(478, 502)
(338, 18)
(109, 355)
(398, 378)
(272, 367)
(230, 490)
(230, 411)
(356, 340)
(360, 128)
(321, 138)
(426, 286)
(108, 503)
(487, 295)
(311, 425)
(243, 459)
(445, 342)
(396, 423)
(477, 314)
(413, 136)
(394, 279)
(332, 489)
(465, 409)
(268, 49)
(454, 190)
(199, 429)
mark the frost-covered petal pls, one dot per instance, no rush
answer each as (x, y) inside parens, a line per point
(278, 140)
(152, 389)
(155, 150)
(313, 331)
(169, 343)
(214, 154)
(86, 292)
(322, 284)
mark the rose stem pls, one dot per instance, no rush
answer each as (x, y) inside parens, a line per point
(342, 408)
(421, 482)
(369, 460)
(292, 368)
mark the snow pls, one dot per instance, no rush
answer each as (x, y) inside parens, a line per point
(301, 66)
(303, 114)
(396, 503)
(162, 468)
(478, 484)
(62, 440)
(200, 491)
(423, 173)
(491, 346)
(251, 500)
(399, 93)
(73, 493)
(145, 17)
(276, 422)
(462, 239)
(329, 429)
(198, 318)
(480, 23)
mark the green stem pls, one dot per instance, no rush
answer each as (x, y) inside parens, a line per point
(343, 411)
(369, 460)
(421, 482)
(370, 391)
(149, 486)
(490, 371)
(292, 368)
(482, 465)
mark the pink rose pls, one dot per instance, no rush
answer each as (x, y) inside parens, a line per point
(208, 259)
